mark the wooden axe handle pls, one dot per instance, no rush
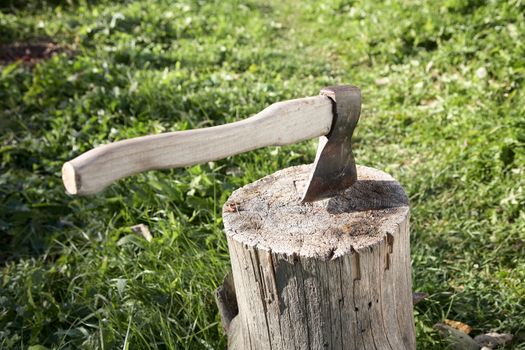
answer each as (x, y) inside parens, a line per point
(280, 124)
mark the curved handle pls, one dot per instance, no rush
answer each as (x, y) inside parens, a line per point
(280, 124)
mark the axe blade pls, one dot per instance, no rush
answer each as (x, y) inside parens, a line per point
(334, 167)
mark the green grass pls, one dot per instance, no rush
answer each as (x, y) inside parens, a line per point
(443, 88)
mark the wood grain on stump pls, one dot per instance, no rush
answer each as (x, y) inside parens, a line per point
(333, 274)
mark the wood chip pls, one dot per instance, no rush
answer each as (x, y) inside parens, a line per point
(232, 207)
(142, 230)
(460, 326)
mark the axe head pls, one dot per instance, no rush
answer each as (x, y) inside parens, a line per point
(334, 167)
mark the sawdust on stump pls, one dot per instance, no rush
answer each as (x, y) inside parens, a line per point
(268, 214)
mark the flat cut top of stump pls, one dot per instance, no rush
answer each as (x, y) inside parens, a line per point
(267, 214)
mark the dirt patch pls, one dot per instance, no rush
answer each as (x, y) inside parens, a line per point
(28, 53)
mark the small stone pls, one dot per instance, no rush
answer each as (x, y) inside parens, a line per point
(382, 81)
(493, 340)
(481, 73)
(417, 297)
(458, 340)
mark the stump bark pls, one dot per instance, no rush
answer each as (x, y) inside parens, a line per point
(333, 274)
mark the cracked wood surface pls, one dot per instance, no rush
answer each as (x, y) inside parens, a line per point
(333, 274)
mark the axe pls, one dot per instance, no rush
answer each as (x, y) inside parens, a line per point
(332, 116)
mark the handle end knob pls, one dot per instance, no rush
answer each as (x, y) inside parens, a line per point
(70, 178)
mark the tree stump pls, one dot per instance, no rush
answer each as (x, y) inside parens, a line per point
(333, 274)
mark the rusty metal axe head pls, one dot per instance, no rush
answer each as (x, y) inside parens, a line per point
(334, 167)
